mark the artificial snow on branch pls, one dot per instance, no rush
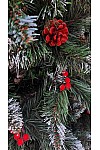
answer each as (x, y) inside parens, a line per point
(15, 118)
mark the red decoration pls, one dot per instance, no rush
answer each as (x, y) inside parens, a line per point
(55, 32)
(20, 142)
(16, 136)
(62, 87)
(67, 80)
(64, 73)
(26, 137)
(68, 86)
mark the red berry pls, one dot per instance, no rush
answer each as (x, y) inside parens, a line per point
(52, 29)
(20, 142)
(16, 136)
(67, 80)
(26, 137)
(45, 31)
(64, 73)
(47, 39)
(68, 86)
(62, 87)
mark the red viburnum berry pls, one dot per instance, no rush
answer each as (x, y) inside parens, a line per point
(16, 136)
(64, 73)
(20, 142)
(62, 87)
(67, 80)
(68, 86)
(26, 137)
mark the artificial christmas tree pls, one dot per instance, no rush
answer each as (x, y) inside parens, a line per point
(49, 74)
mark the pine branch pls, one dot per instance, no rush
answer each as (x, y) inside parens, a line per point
(15, 118)
(47, 9)
(79, 9)
(82, 92)
(72, 143)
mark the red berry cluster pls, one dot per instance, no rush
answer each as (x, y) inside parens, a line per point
(55, 32)
(67, 84)
(20, 140)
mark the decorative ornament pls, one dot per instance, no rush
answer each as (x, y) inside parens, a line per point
(26, 137)
(66, 84)
(60, 80)
(20, 138)
(65, 73)
(62, 87)
(55, 32)
(16, 136)
(20, 142)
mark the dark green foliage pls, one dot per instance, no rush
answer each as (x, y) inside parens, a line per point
(47, 112)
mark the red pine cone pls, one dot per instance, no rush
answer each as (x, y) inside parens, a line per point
(55, 32)
(26, 137)
(20, 142)
(16, 136)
